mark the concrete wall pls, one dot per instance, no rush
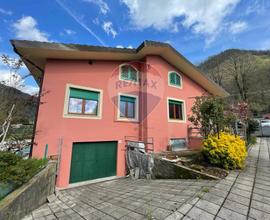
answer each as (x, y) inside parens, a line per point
(30, 195)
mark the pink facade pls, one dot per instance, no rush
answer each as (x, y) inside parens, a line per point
(153, 112)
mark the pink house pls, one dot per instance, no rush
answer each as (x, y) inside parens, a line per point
(94, 99)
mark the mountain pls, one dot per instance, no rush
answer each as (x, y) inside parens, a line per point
(25, 105)
(245, 74)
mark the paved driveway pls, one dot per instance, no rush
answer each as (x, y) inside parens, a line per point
(239, 196)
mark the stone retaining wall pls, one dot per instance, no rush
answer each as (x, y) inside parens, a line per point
(30, 195)
(168, 170)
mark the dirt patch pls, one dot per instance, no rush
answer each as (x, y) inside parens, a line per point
(194, 160)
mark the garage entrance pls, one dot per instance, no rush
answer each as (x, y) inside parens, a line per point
(93, 160)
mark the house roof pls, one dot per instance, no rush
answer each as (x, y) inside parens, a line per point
(34, 54)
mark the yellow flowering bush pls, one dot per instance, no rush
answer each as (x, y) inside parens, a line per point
(227, 151)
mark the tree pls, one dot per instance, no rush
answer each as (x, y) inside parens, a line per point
(241, 67)
(213, 68)
(12, 104)
(208, 114)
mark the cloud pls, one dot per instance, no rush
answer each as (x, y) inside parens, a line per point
(16, 81)
(32, 90)
(121, 46)
(69, 32)
(257, 6)
(202, 17)
(26, 28)
(5, 12)
(265, 45)
(108, 28)
(103, 6)
(238, 27)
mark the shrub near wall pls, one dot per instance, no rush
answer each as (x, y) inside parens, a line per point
(227, 150)
(30, 195)
(15, 171)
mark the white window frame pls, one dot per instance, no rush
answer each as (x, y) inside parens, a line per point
(172, 85)
(66, 103)
(183, 110)
(136, 119)
(130, 81)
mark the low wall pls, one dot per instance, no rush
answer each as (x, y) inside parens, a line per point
(29, 196)
(195, 143)
(167, 170)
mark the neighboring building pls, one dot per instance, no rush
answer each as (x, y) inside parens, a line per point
(93, 98)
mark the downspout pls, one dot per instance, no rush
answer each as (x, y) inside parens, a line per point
(39, 95)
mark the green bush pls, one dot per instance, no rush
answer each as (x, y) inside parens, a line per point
(14, 169)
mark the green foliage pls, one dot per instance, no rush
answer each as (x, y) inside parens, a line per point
(252, 126)
(227, 151)
(258, 96)
(252, 140)
(25, 105)
(208, 114)
(22, 133)
(15, 170)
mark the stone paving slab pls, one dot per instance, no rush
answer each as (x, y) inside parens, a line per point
(124, 199)
(241, 195)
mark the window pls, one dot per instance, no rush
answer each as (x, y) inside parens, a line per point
(127, 72)
(83, 102)
(175, 79)
(127, 107)
(176, 110)
(177, 144)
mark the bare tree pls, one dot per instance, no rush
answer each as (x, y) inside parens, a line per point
(216, 74)
(11, 104)
(214, 69)
(241, 67)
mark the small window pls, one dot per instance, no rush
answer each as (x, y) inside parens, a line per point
(175, 79)
(176, 110)
(177, 144)
(127, 72)
(83, 102)
(127, 107)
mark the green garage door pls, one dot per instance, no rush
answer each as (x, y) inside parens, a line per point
(93, 160)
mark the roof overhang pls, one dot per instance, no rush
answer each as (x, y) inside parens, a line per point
(35, 54)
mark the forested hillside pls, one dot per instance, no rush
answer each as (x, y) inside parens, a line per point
(25, 105)
(245, 74)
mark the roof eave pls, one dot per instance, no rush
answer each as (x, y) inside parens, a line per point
(35, 54)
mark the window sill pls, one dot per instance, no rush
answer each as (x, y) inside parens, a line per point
(176, 121)
(174, 86)
(132, 82)
(81, 116)
(127, 120)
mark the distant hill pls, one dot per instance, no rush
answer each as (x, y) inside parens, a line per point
(256, 66)
(25, 105)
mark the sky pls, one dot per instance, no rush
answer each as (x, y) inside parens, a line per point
(196, 28)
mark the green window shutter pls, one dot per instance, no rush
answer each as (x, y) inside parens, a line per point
(128, 73)
(175, 79)
(83, 94)
(127, 99)
(172, 79)
(132, 74)
(124, 72)
(175, 102)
